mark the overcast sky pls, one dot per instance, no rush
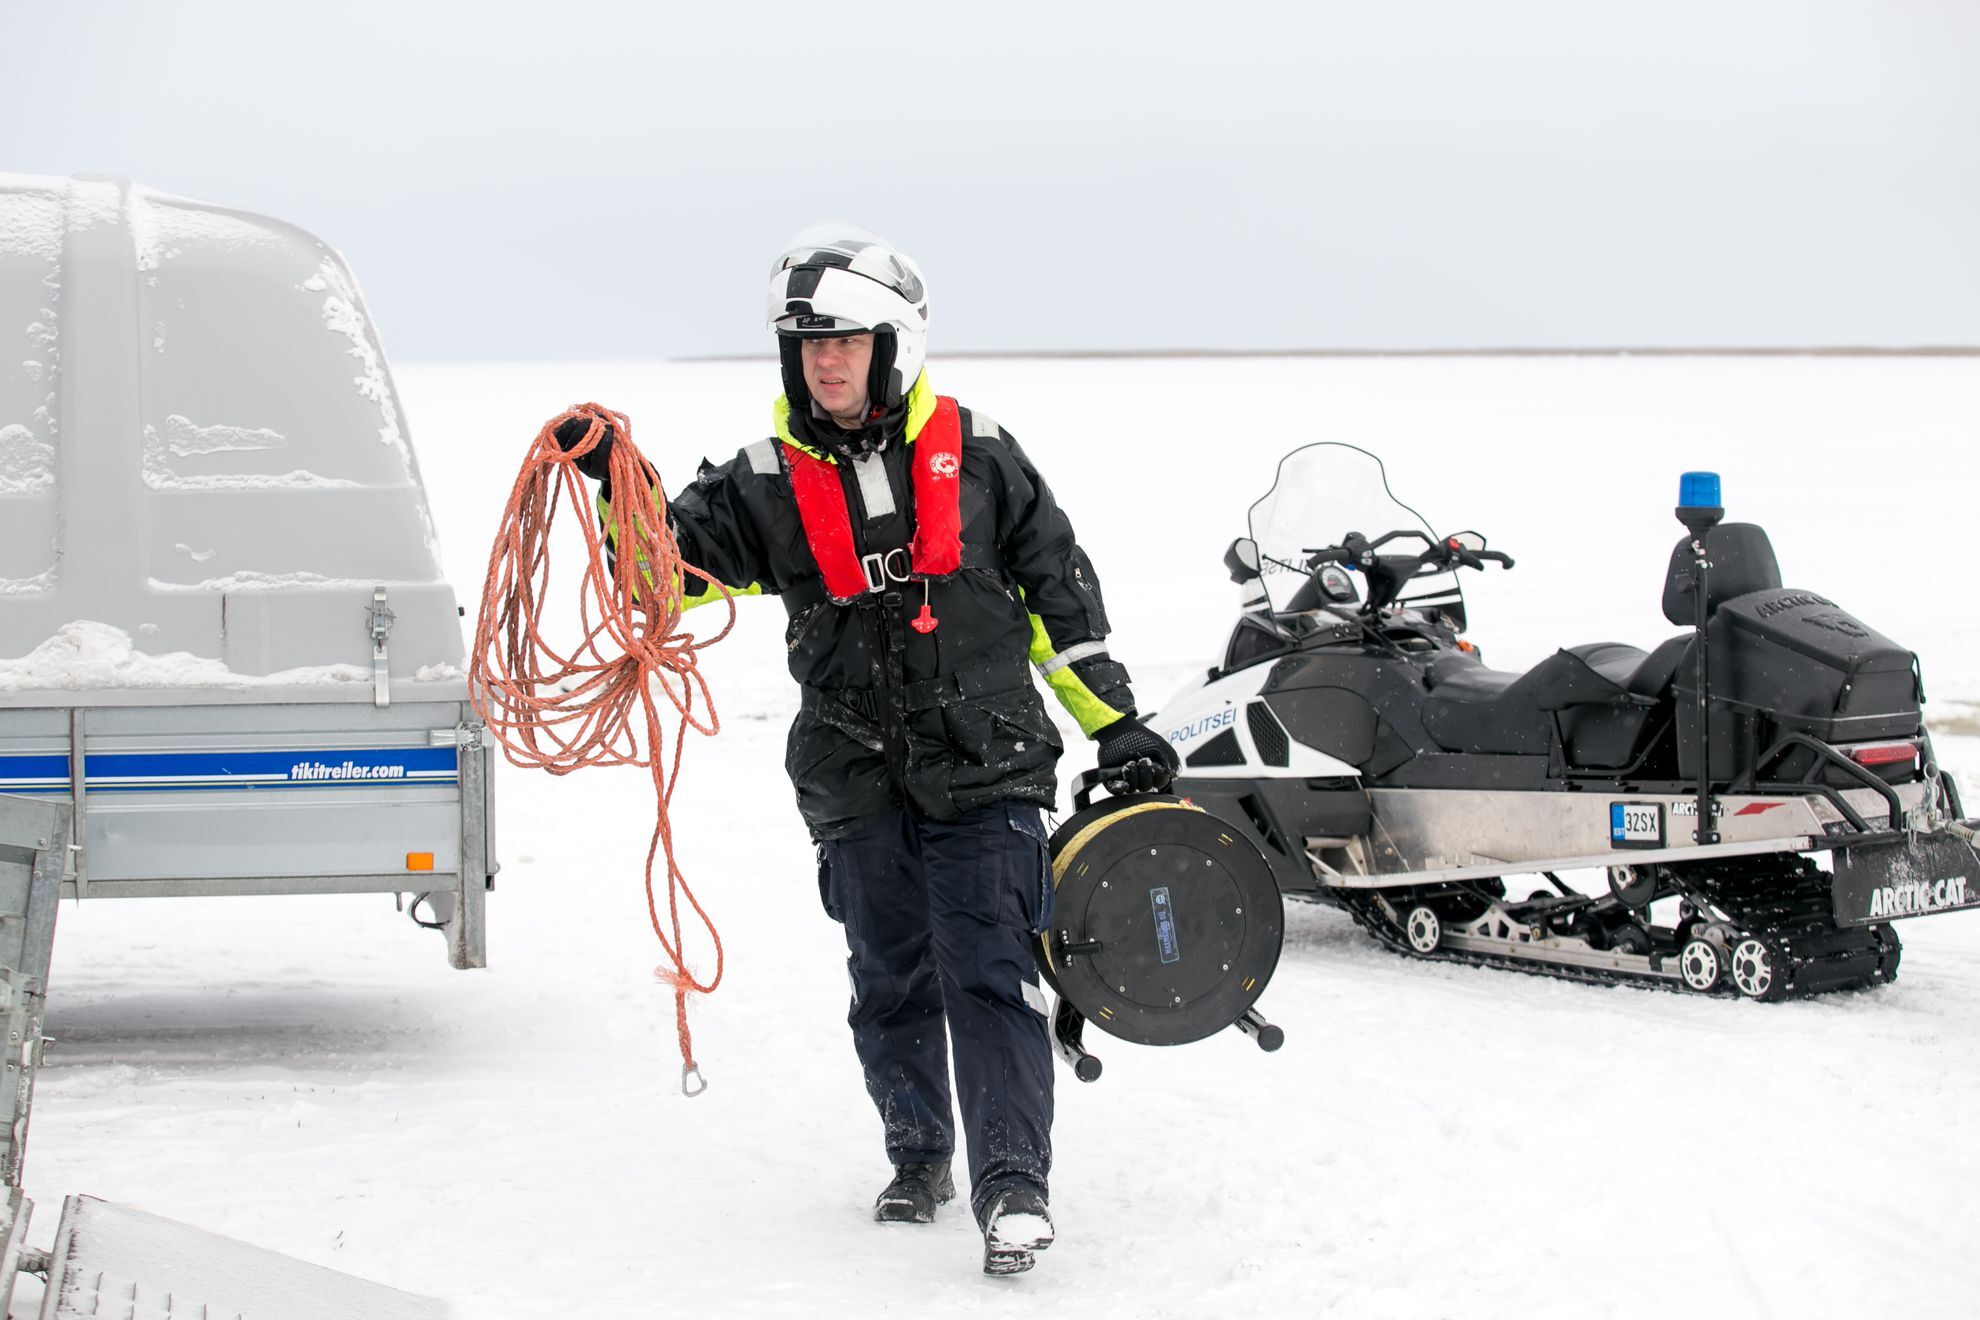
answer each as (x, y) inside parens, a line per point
(581, 179)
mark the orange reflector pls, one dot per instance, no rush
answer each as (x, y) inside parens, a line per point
(419, 861)
(1883, 753)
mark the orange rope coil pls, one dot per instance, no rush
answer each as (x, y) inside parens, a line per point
(562, 712)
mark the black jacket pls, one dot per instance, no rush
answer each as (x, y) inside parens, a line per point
(948, 720)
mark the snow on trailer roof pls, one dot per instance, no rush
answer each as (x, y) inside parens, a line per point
(204, 471)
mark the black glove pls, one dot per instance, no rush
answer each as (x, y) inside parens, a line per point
(1136, 759)
(595, 463)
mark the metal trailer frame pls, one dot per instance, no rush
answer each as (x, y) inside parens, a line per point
(214, 799)
(34, 850)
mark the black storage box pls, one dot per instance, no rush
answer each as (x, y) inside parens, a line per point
(1783, 661)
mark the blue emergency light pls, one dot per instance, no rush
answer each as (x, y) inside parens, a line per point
(1699, 490)
(1699, 506)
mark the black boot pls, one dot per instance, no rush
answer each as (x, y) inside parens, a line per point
(915, 1192)
(1015, 1225)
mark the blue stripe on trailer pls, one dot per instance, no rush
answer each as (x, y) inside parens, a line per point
(115, 772)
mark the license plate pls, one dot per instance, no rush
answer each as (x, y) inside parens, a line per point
(1636, 825)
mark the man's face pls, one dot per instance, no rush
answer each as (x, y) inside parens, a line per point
(835, 373)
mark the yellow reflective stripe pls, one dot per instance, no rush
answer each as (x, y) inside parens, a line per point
(1090, 711)
(921, 407)
(680, 584)
(689, 602)
(780, 421)
(1042, 649)
(612, 532)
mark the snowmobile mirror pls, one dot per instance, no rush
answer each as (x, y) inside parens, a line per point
(1242, 560)
(1467, 540)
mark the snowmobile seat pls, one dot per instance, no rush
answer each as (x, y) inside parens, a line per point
(1597, 674)
(1609, 737)
(1459, 677)
(1474, 709)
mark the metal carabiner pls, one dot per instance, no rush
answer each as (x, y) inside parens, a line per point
(692, 1083)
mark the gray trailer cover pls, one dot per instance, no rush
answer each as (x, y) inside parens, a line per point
(224, 633)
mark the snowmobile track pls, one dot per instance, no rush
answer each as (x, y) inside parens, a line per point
(1807, 953)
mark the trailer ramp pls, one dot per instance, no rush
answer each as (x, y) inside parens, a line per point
(122, 1264)
(110, 1260)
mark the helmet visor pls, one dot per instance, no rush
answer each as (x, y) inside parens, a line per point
(848, 247)
(814, 302)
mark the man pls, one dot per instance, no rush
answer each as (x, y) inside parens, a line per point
(922, 561)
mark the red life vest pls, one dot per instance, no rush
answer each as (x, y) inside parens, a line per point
(936, 550)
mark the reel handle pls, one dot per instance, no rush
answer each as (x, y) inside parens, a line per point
(1254, 1025)
(1083, 785)
(1068, 1025)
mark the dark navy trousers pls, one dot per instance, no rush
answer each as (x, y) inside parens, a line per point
(940, 919)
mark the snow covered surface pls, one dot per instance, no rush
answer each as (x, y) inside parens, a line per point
(307, 1074)
(343, 313)
(86, 654)
(27, 465)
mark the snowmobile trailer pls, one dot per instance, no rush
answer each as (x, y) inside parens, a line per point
(225, 640)
(1759, 789)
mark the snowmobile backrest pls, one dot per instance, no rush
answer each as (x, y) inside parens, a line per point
(1742, 562)
(202, 456)
(1660, 666)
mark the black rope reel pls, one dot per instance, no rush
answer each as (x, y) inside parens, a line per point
(1167, 921)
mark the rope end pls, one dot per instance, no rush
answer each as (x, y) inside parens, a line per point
(680, 980)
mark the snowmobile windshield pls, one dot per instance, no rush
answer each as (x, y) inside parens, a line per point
(1322, 493)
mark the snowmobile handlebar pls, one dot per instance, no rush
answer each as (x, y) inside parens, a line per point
(1357, 551)
(1353, 549)
(1387, 574)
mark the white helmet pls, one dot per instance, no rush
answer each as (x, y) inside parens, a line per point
(839, 279)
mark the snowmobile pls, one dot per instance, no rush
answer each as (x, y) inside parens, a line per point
(1759, 790)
